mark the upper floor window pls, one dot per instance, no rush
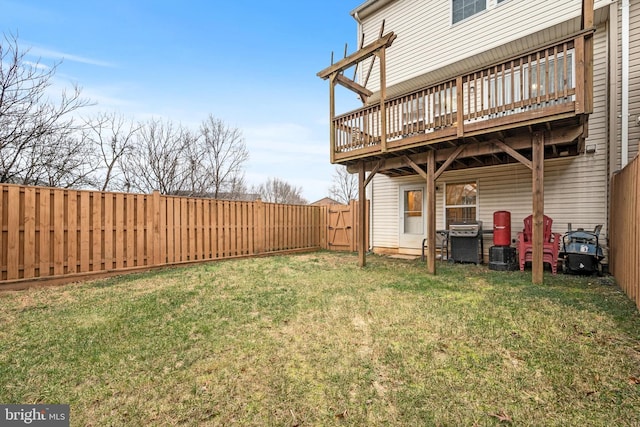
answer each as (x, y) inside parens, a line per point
(462, 9)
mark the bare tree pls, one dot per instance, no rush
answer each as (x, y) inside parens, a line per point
(29, 120)
(158, 160)
(344, 186)
(174, 160)
(276, 190)
(112, 136)
(237, 189)
(224, 154)
(63, 163)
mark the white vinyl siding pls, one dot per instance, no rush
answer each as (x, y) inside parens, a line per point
(427, 41)
(575, 187)
(634, 84)
(385, 208)
(634, 78)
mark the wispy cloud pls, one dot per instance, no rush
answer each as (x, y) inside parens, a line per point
(288, 139)
(57, 55)
(37, 65)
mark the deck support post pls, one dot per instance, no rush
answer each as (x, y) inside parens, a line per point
(362, 216)
(537, 234)
(431, 212)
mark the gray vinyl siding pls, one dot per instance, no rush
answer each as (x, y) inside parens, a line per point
(575, 187)
(427, 41)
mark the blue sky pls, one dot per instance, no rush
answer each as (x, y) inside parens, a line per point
(252, 64)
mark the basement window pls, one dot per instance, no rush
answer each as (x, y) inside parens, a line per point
(461, 202)
(463, 9)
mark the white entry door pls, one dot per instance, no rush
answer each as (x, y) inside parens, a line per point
(412, 216)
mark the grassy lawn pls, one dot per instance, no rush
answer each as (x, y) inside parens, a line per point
(314, 340)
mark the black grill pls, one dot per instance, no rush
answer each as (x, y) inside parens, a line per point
(466, 242)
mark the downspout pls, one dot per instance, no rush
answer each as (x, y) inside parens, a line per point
(357, 18)
(625, 84)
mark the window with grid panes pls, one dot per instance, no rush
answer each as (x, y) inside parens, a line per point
(462, 9)
(461, 201)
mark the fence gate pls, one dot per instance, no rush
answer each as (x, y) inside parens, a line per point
(342, 221)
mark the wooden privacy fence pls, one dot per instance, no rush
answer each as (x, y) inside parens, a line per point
(62, 234)
(624, 229)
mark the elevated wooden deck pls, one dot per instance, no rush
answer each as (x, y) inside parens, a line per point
(484, 111)
(525, 109)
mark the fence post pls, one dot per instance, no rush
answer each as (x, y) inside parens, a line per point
(353, 224)
(13, 232)
(323, 225)
(156, 241)
(258, 227)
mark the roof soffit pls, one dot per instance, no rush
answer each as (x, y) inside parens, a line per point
(369, 7)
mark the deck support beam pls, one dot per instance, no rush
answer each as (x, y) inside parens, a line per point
(416, 168)
(362, 216)
(513, 153)
(537, 234)
(557, 136)
(373, 172)
(452, 158)
(431, 212)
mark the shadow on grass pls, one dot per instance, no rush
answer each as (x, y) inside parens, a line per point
(514, 291)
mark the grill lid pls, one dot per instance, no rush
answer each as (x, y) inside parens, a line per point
(465, 229)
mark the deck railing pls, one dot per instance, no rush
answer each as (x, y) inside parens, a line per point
(545, 80)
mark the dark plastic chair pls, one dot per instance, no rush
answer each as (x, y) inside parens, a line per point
(442, 242)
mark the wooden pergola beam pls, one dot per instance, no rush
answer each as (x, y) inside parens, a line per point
(358, 56)
(332, 116)
(360, 90)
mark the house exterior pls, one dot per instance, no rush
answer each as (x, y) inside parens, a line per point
(325, 201)
(518, 103)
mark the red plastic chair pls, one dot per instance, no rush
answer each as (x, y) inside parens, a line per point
(551, 244)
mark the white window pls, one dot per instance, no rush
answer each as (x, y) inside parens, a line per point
(461, 202)
(462, 9)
